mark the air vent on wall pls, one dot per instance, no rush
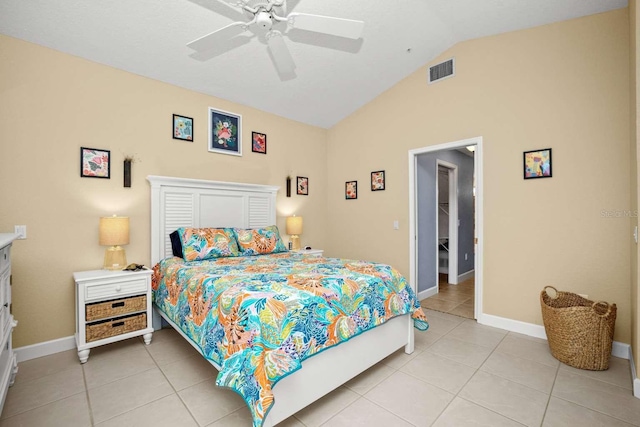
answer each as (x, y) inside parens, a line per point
(442, 70)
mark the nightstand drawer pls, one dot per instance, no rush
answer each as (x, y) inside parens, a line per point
(113, 308)
(113, 327)
(115, 289)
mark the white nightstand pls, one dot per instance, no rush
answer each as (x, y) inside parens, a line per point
(312, 252)
(111, 306)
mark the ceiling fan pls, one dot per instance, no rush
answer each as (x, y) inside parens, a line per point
(264, 16)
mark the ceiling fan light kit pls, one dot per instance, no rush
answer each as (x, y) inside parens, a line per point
(265, 17)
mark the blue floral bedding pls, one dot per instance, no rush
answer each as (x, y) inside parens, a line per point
(259, 317)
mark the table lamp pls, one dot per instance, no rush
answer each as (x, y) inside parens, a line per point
(294, 229)
(114, 232)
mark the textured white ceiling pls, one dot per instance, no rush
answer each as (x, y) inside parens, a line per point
(334, 76)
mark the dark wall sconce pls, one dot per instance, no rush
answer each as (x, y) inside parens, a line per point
(288, 186)
(127, 173)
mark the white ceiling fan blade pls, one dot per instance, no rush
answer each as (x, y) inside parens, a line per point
(222, 35)
(326, 24)
(280, 53)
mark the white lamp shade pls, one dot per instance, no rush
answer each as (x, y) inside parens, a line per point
(294, 225)
(114, 230)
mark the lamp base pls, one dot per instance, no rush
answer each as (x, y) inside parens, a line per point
(295, 242)
(115, 258)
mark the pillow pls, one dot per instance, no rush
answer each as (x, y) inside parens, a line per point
(176, 244)
(207, 243)
(259, 241)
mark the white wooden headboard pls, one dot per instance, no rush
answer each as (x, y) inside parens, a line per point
(182, 202)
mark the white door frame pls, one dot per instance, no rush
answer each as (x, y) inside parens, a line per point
(479, 222)
(453, 220)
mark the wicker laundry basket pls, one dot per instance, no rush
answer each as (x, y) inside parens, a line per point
(580, 331)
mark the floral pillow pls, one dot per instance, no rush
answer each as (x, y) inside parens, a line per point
(207, 243)
(259, 241)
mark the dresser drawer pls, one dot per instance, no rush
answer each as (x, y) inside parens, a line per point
(113, 289)
(5, 258)
(113, 308)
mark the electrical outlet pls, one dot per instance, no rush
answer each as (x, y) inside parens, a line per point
(396, 225)
(465, 256)
(21, 230)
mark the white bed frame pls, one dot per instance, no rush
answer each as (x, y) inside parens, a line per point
(180, 202)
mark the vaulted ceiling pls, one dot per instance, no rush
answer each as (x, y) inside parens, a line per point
(334, 76)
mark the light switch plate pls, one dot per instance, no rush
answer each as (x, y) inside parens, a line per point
(21, 230)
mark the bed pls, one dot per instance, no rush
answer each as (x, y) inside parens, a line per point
(187, 203)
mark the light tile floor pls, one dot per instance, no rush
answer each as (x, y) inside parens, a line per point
(460, 374)
(453, 299)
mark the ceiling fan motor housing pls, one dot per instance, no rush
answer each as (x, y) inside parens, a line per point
(264, 20)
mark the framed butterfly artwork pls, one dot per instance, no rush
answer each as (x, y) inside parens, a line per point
(95, 163)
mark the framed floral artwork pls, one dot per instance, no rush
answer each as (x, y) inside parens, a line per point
(225, 132)
(182, 128)
(95, 163)
(303, 186)
(259, 142)
(377, 181)
(351, 190)
(537, 164)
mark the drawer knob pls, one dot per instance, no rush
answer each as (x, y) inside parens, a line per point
(118, 288)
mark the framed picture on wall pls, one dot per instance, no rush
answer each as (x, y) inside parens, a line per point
(351, 190)
(95, 163)
(225, 132)
(537, 164)
(259, 142)
(377, 181)
(303, 186)
(182, 128)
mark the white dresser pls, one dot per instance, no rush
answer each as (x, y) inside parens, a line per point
(8, 364)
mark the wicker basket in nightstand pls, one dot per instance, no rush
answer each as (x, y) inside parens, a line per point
(118, 326)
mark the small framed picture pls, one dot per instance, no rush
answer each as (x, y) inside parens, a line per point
(95, 163)
(537, 163)
(377, 181)
(303, 186)
(351, 190)
(182, 128)
(259, 142)
(225, 132)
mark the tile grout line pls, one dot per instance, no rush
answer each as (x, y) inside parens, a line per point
(146, 347)
(546, 407)
(587, 407)
(141, 406)
(46, 403)
(86, 392)
(467, 382)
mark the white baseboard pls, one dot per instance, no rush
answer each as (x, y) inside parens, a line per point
(619, 349)
(466, 276)
(427, 293)
(46, 348)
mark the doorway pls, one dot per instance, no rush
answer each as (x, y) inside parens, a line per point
(424, 242)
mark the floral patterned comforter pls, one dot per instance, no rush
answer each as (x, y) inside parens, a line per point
(259, 317)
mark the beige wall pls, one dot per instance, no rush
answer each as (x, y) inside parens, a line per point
(564, 86)
(51, 104)
(634, 120)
